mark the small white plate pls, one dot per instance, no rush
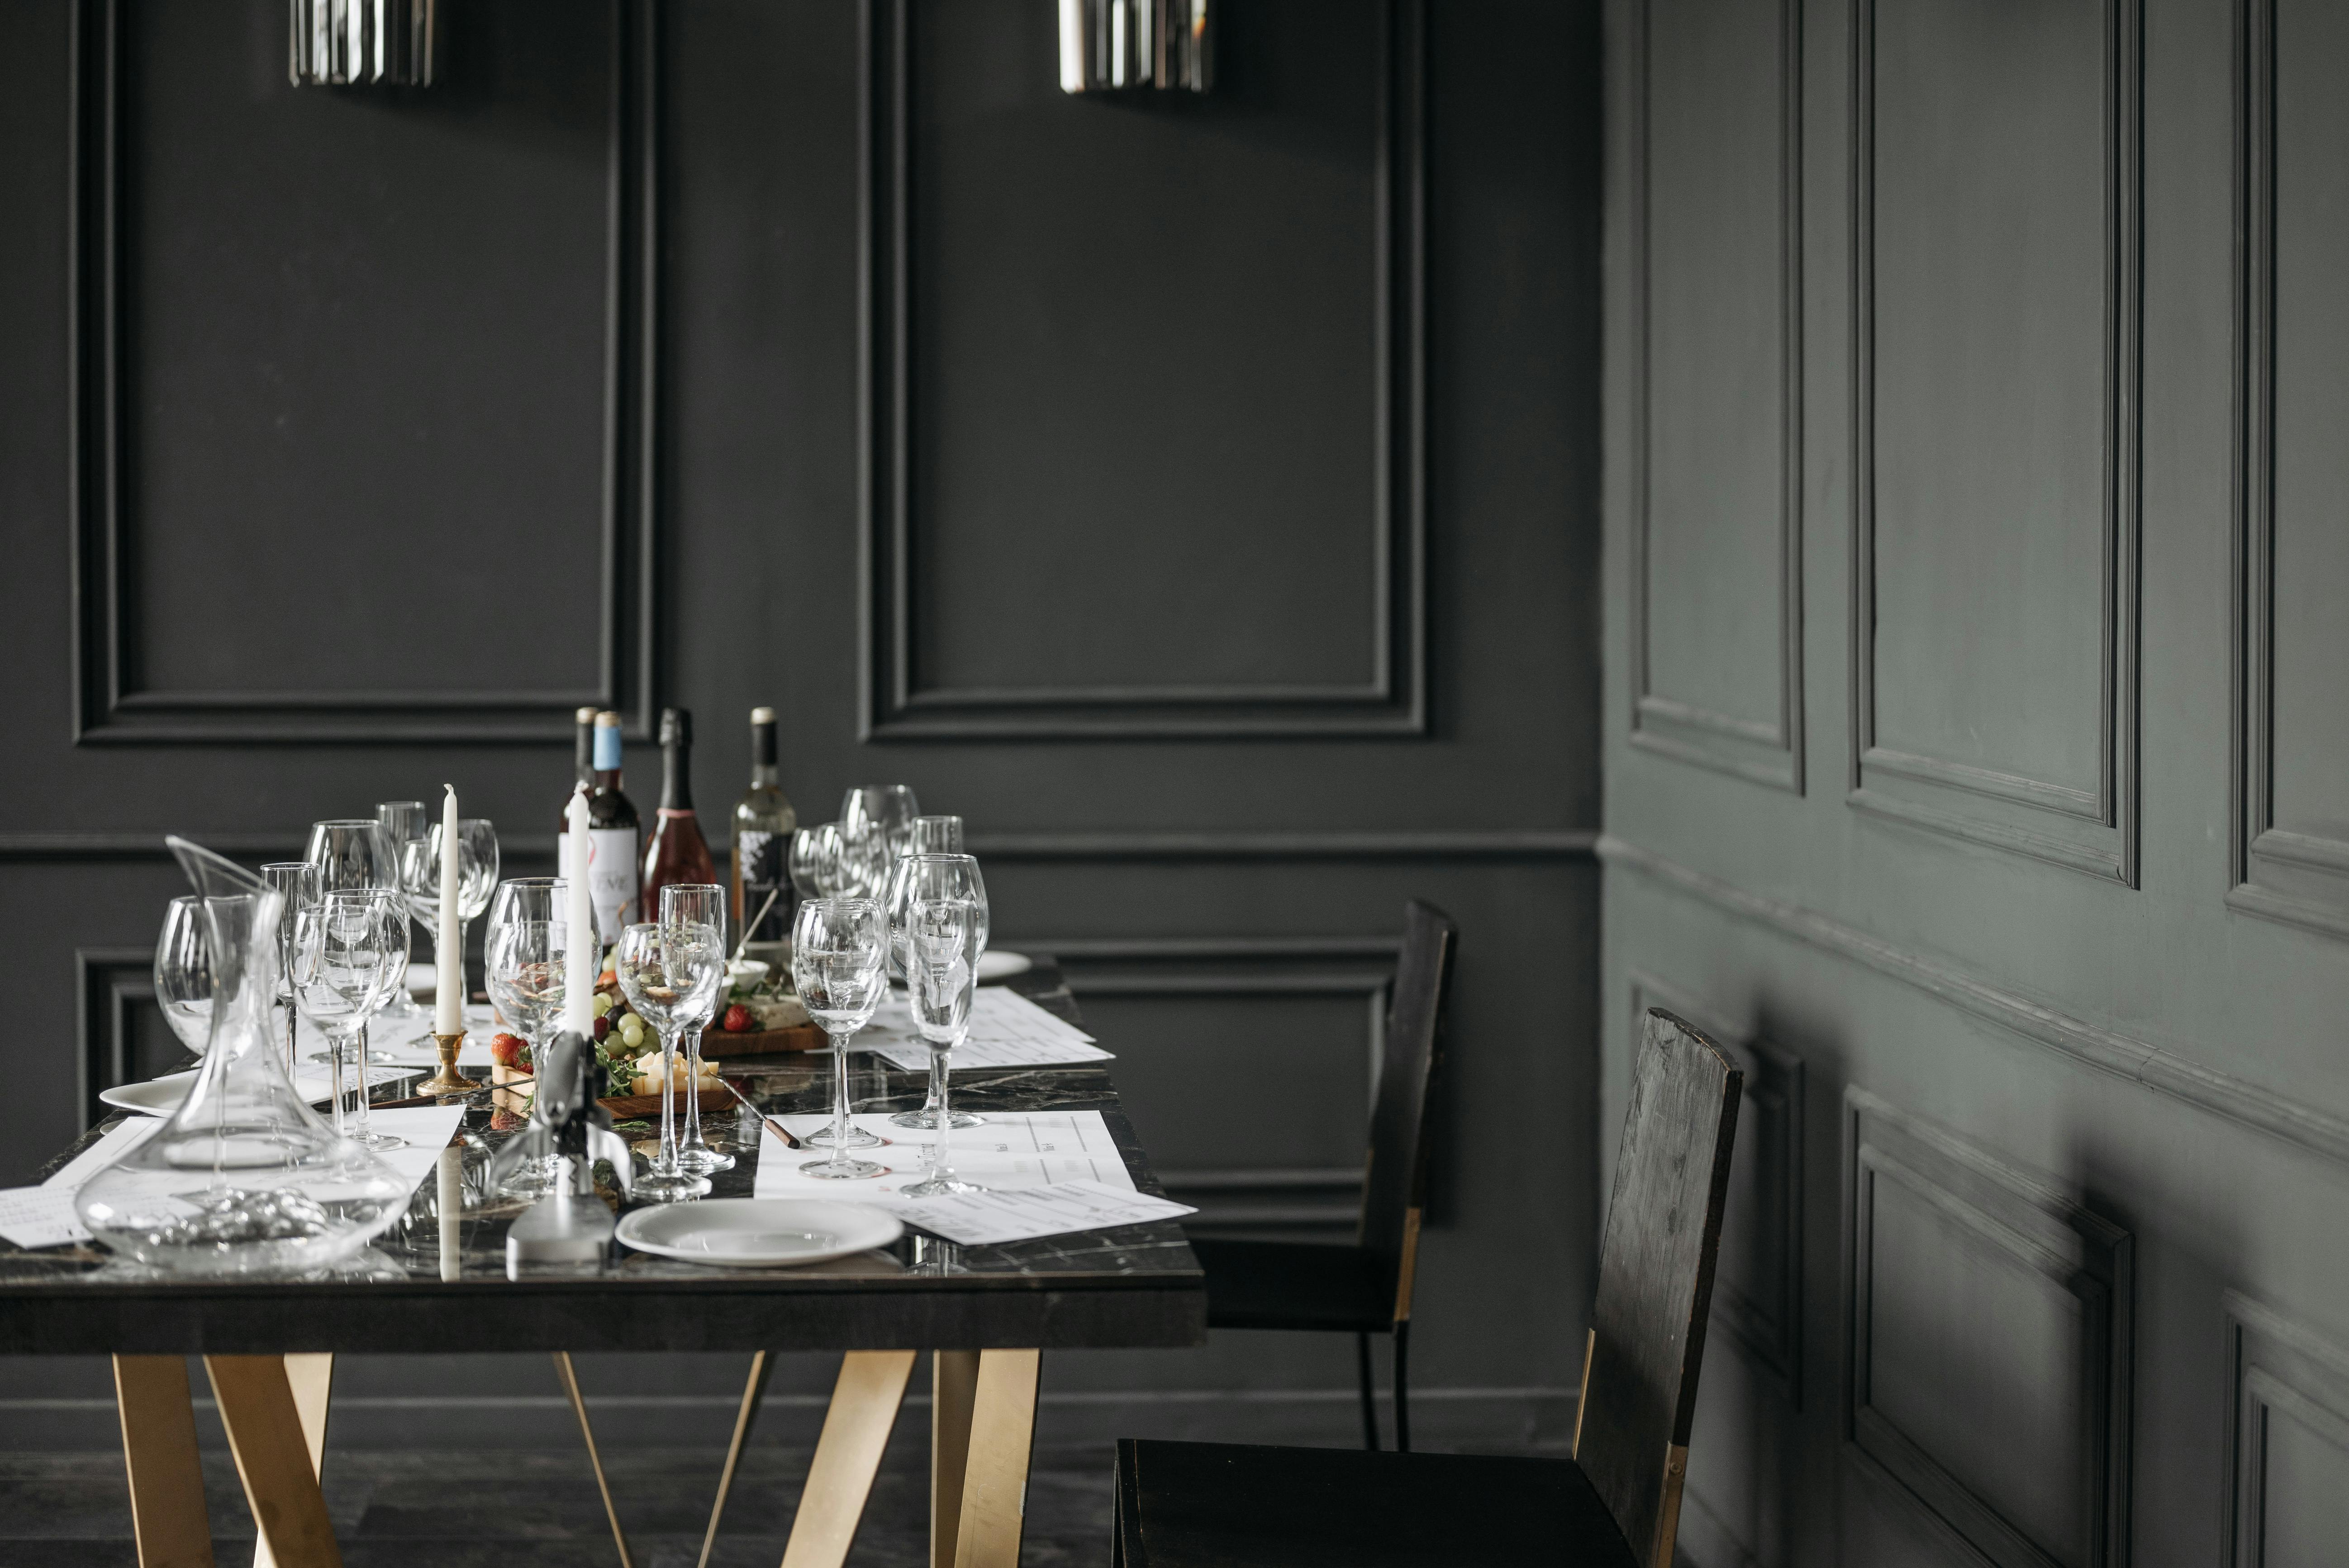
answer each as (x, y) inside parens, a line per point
(156, 1096)
(759, 1233)
(996, 965)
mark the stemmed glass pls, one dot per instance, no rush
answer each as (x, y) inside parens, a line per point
(876, 826)
(701, 906)
(297, 882)
(354, 852)
(350, 949)
(669, 974)
(403, 823)
(930, 878)
(930, 836)
(525, 951)
(184, 972)
(840, 962)
(815, 861)
(476, 879)
(945, 937)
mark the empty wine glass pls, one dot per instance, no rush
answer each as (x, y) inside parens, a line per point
(350, 948)
(876, 826)
(184, 972)
(945, 937)
(815, 861)
(525, 952)
(702, 906)
(839, 960)
(671, 974)
(297, 883)
(929, 835)
(477, 879)
(934, 877)
(354, 852)
(403, 823)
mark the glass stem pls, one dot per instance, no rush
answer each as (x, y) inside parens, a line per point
(940, 1170)
(840, 1095)
(667, 1164)
(334, 1083)
(930, 1112)
(358, 1123)
(693, 1091)
(291, 1058)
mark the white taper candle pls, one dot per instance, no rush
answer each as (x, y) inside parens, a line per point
(579, 979)
(449, 957)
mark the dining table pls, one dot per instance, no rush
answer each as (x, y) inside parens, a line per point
(984, 1313)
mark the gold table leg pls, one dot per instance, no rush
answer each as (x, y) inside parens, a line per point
(995, 1482)
(264, 1432)
(855, 1430)
(570, 1376)
(954, 1385)
(159, 1448)
(755, 1390)
(311, 1379)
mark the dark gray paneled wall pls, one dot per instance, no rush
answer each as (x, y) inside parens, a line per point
(2039, 961)
(1199, 497)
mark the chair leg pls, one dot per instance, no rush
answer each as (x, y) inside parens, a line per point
(1370, 1394)
(1402, 1385)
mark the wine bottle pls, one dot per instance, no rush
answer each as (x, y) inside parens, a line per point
(611, 863)
(677, 852)
(763, 824)
(583, 761)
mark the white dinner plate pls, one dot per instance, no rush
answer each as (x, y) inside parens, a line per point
(759, 1233)
(156, 1096)
(996, 965)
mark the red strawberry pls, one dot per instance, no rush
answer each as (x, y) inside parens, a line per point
(738, 1020)
(509, 1051)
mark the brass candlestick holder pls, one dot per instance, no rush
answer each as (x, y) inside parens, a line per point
(448, 1081)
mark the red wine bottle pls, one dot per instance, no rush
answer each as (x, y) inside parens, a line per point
(612, 863)
(677, 852)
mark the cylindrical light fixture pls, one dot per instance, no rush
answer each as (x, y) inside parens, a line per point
(350, 42)
(1110, 46)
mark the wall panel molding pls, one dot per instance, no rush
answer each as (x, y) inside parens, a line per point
(2284, 1380)
(109, 983)
(1992, 1215)
(1765, 752)
(2281, 1115)
(2301, 879)
(896, 702)
(1763, 1309)
(108, 708)
(1262, 1197)
(2093, 830)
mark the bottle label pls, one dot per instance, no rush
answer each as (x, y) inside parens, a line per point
(758, 858)
(612, 872)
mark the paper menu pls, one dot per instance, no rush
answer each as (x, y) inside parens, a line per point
(1007, 1030)
(1007, 1151)
(1023, 1213)
(40, 1217)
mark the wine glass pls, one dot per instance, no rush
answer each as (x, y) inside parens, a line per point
(876, 826)
(297, 882)
(477, 879)
(526, 948)
(354, 852)
(701, 906)
(946, 936)
(671, 974)
(184, 972)
(350, 948)
(839, 960)
(815, 861)
(929, 835)
(934, 877)
(403, 822)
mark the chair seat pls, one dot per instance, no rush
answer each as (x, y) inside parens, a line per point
(1293, 1284)
(1230, 1505)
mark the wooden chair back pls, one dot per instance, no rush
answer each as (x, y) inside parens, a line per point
(1655, 1282)
(1394, 1186)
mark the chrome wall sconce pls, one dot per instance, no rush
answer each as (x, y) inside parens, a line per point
(1110, 46)
(355, 43)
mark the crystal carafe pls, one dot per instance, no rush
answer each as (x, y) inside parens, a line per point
(245, 1177)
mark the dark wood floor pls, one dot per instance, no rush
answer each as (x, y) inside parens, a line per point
(539, 1510)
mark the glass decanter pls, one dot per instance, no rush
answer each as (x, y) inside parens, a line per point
(245, 1177)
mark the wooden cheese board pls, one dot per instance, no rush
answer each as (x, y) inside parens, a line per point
(717, 1043)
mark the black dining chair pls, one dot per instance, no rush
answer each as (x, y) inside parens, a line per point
(1615, 1504)
(1364, 1287)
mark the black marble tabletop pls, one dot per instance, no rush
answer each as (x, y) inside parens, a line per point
(1133, 1286)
